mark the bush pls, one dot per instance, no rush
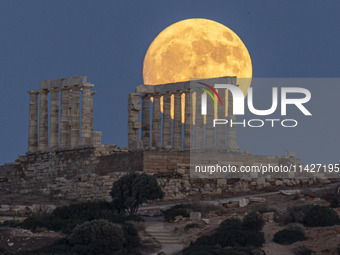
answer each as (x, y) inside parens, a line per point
(263, 208)
(232, 232)
(131, 236)
(303, 250)
(139, 225)
(295, 227)
(253, 221)
(287, 236)
(185, 210)
(11, 223)
(97, 237)
(177, 210)
(321, 216)
(66, 218)
(132, 190)
(190, 226)
(32, 223)
(296, 214)
(333, 198)
(211, 250)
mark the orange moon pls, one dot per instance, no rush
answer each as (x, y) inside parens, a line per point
(194, 49)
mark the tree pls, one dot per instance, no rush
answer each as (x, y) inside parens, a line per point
(97, 237)
(134, 189)
(253, 221)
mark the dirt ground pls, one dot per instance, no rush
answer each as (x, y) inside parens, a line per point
(321, 240)
(14, 240)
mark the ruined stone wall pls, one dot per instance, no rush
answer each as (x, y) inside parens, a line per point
(88, 174)
(80, 175)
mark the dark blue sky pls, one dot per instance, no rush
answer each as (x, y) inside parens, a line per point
(107, 41)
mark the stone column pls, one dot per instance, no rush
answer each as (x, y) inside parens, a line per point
(33, 122)
(221, 129)
(167, 120)
(75, 117)
(96, 138)
(188, 121)
(133, 125)
(231, 131)
(177, 133)
(64, 118)
(209, 128)
(54, 119)
(146, 120)
(91, 109)
(86, 129)
(43, 121)
(199, 122)
(156, 121)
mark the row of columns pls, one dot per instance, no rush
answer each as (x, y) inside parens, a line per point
(40, 139)
(167, 135)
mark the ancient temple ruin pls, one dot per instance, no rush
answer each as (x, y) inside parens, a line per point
(62, 126)
(168, 134)
(66, 160)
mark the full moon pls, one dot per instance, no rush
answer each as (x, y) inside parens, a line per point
(195, 49)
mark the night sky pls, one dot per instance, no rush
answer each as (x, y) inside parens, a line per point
(107, 41)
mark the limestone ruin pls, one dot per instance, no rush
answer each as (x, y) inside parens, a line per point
(73, 130)
(172, 138)
(66, 160)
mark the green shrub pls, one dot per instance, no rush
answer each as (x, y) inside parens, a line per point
(134, 189)
(263, 208)
(32, 223)
(232, 232)
(296, 214)
(321, 216)
(11, 223)
(230, 223)
(295, 227)
(177, 210)
(131, 236)
(243, 238)
(97, 237)
(303, 250)
(253, 221)
(286, 236)
(205, 208)
(185, 210)
(333, 197)
(139, 225)
(66, 218)
(211, 250)
(190, 226)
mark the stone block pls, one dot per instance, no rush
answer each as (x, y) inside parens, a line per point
(243, 202)
(195, 216)
(222, 182)
(278, 183)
